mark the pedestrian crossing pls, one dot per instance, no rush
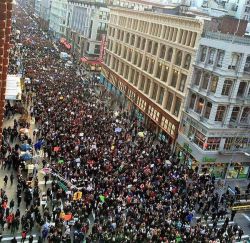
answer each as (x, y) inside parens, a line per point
(18, 238)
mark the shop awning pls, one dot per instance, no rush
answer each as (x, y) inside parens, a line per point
(91, 62)
(13, 88)
(65, 43)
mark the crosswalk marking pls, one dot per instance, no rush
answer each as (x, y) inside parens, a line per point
(246, 217)
(19, 237)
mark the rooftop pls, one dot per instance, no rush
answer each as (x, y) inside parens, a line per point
(226, 37)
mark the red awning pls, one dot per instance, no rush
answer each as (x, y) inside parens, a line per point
(83, 59)
(63, 40)
(91, 62)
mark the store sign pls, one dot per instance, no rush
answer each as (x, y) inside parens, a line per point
(187, 148)
(208, 159)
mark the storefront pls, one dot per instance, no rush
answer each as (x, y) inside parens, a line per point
(238, 171)
(185, 155)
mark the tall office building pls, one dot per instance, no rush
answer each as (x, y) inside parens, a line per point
(5, 31)
(148, 63)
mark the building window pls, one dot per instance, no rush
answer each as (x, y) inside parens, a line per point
(147, 86)
(152, 64)
(139, 60)
(165, 74)
(242, 88)
(178, 58)
(205, 81)
(203, 54)
(169, 101)
(197, 137)
(127, 38)
(136, 79)
(149, 46)
(177, 106)
(235, 114)
(220, 113)
(154, 93)
(163, 51)
(135, 57)
(192, 101)
(174, 78)
(159, 68)
(197, 77)
(143, 44)
(211, 56)
(212, 144)
(155, 48)
(138, 43)
(132, 76)
(199, 105)
(226, 90)
(161, 94)
(182, 82)
(214, 83)
(146, 64)
(236, 143)
(208, 110)
(187, 61)
(235, 61)
(142, 83)
(220, 58)
(169, 54)
(132, 40)
(129, 55)
(245, 117)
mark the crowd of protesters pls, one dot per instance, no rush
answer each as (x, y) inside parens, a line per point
(122, 184)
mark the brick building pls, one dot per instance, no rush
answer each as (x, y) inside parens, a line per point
(5, 31)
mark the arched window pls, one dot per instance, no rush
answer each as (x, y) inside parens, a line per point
(208, 110)
(187, 61)
(199, 105)
(178, 58)
(205, 80)
(192, 101)
(170, 54)
(163, 51)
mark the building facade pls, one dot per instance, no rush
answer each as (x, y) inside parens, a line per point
(42, 12)
(86, 23)
(239, 9)
(57, 18)
(5, 32)
(215, 130)
(148, 64)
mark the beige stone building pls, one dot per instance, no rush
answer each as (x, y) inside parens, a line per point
(148, 62)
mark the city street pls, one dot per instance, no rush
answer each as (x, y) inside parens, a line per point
(86, 169)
